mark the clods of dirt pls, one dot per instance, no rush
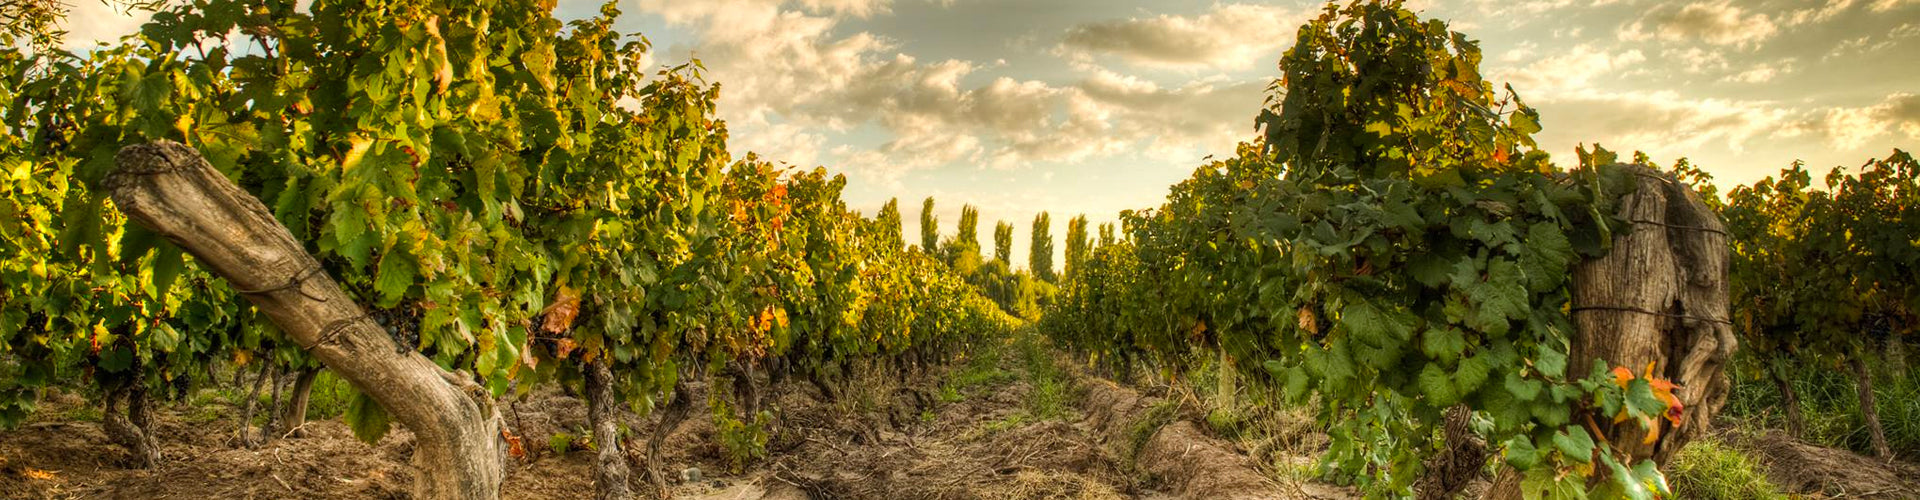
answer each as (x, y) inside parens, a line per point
(1802, 468)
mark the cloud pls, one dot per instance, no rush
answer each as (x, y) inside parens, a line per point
(1232, 36)
(92, 21)
(1818, 15)
(1718, 23)
(1763, 72)
(1897, 114)
(1667, 122)
(1887, 5)
(796, 86)
(1573, 70)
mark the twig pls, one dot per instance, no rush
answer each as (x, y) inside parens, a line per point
(283, 482)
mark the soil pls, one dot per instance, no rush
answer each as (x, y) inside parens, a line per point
(884, 440)
(1820, 472)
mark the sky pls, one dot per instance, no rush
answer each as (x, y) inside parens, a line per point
(1096, 106)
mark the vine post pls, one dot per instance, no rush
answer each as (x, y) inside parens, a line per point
(1657, 305)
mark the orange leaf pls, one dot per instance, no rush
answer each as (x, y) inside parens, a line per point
(1308, 321)
(560, 314)
(33, 473)
(1621, 375)
(514, 448)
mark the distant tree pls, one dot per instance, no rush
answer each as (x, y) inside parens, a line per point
(1106, 234)
(1076, 244)
(1040, 252)
(889, 220)
(969, 235)
(929, 228)
(1003, 242)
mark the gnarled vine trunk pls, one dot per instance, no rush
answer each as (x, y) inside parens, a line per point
(247, 436)
(170, 189)
(133, 429)
(610, 463)
(671, 416)
(294, 420)
(1869, 410)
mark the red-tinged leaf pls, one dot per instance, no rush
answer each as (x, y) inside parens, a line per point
(560, 314)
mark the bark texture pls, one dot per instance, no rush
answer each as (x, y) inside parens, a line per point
(610, 464)
(170, 189)
(294, 421)
(1465, 456)
(1863, 384)
(248, 438)
(1659, 296)
(133, 429)
(671, 416)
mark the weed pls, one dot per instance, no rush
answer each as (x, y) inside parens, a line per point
(82, 413)
(1150, 422)
(1830, 404)
(1710, 470)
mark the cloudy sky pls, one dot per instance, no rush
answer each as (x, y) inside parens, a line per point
(1093, 106)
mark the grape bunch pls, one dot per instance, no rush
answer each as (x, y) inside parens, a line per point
(1879, 326)
(402, 322)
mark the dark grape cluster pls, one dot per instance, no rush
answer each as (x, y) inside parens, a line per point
(1879, 326)
(402, 323)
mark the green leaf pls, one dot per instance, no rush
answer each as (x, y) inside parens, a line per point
(1368, 323)
(1641, 401)
(1444, 343)
(1551, 362)
(168, 261)
(1522, 388)
(1498, 299)
(1520, 452)
(1546, 256)
(1575, 444)
(1471, 374)
(368, 420)
(1437, 387)
(1525, 121)
(395, 275)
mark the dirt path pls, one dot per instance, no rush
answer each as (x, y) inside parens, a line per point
(987, 432)
(1001, 426)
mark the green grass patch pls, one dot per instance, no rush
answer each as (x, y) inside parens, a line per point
(982, 369)
(1150, 421)
(1830, 402)
(1710, 470)
(1051, 394)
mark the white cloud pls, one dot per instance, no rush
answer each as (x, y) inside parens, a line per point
(1576, 69)
(1718, 23)
(1897, 114)
(1887, 5)
(1763, 72)
(1818, 15)
(1231, 36)
(1697, 60)
(789, 79)
(92, 21)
